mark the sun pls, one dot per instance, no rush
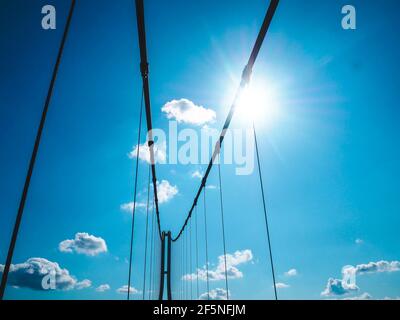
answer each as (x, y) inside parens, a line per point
(258, 103)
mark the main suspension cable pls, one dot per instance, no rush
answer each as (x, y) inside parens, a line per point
(32, 161)
(243, 83)
(144, 69)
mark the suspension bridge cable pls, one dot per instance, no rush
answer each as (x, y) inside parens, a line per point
(134, 197)
(151, 251)
(146, 236)
(206, 237)
(157, 259)
(197, 256)
(144, 69)
(32, 161)
(243, 83)
(190, 254)
(182, 270)
(184, 266)
(157, 264)
(265, 212)
(185, 263)
(223, 226)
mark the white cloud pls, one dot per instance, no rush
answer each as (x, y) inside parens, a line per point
(359, 241)
(124, 289)
(291, 273)
(103, 288)
(186, 111)
(215, 294)
(128, 207)
(364, 296)
(166, 191)
(374, 267)
(159, 149)
(338, 287)
(30, 275)
(197, 174)
(84, 244)
(83, 284)
(232, 261)
(281, 285)
(211, 187)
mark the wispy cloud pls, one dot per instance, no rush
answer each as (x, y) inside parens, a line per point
(84, 243)
(159, 149)
(232, 261)
(374, 267)
(211, 187)
(124, 289)
(103, 288)
(281, 285)
(363, 296)
(128, 207)
(215, 294)
(291, 273)
(166, 191)
(391, 298)
(359, 241)
(83, 284)
(186, 111)
(197, 174)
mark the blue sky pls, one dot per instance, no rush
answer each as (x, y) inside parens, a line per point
(329, 159)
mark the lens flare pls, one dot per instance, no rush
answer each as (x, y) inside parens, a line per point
(258, 103)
